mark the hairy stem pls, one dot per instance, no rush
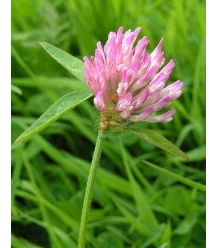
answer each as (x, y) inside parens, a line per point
(89, 188)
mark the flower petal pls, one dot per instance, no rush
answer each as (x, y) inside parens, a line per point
(122, 88)
(127, 113)
(165, 117)
(99, 102)
(124, 102)
(142, 116)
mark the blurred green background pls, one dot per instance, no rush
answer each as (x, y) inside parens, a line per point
(134, 205)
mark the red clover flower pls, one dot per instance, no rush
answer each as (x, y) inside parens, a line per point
(126, 81)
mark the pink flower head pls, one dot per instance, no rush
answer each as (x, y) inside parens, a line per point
(126, 80)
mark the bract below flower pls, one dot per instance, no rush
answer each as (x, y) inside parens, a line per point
(127, 82)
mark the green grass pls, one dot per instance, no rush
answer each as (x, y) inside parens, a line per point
(134, 205)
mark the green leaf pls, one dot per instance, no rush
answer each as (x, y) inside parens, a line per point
(20, 242)
(72, 64)
(133, 221)
(109, 240)
(159, 140)
(153, 237)
(140, 198)
(165, 245)
(187, 224)
(177, 200)
(59, 108)
(16, 89)
(177, 177)
(166, 235)
(16, 173)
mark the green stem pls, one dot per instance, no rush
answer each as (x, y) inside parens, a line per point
(89, 188)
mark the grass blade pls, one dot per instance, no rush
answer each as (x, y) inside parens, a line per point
(177, 177)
